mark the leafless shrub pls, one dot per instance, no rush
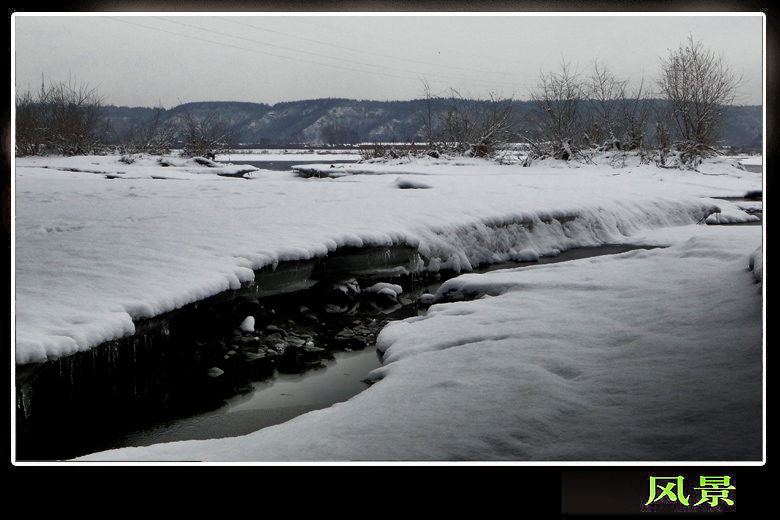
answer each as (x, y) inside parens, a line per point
(63, 119)
(477, 128)
(697, 86)
(556, 120)
(205, 135)
(430, 129)
(457, 125)
(603, 90)
(153, 135)
(636, 109)
(28, 125)
(378, 151)
(617, 115)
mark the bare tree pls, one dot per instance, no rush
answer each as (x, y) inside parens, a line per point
(635, 111)
(206, 135)
(477, 127)
(65, 119)
(460, 125)
(154, 134)
(618, 115)
(603, 89)
(28, 129)
(556, 120)
(429, 119)
(697, 86)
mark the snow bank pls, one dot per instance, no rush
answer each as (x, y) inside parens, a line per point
(652, 355)
(648, 356)
(100, 243)
(756, 263)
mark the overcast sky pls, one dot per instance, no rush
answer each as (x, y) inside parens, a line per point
(168, 58)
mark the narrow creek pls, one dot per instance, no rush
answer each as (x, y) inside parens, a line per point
(338, 373)
(286, 164)
(307, 349)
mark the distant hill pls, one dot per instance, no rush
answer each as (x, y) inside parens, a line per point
(331, 121)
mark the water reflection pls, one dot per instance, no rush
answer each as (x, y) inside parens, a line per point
(274, 401)
(334, 381)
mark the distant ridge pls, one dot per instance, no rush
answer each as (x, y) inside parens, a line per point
(331, 121)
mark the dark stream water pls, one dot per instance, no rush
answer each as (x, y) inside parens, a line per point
(332, 378)
(286, 165)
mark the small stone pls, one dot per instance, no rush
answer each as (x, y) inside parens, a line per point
(275, 329)
(308, 319)
(345, 334)
(215, 372)
(296, 342)
(361, 340)
(250, 342)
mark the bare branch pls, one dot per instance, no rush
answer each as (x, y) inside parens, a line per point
(698, 86)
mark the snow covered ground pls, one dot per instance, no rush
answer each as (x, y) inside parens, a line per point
(646, 356)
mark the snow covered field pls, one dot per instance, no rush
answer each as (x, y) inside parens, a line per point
(646, 356)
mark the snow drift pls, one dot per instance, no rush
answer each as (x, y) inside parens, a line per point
(645, 357)
(101, 243)
(652, 355)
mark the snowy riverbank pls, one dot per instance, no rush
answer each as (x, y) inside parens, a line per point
(580, 356)
(589, 361)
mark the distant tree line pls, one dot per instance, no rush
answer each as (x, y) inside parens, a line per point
(570, 115)
(575, 115)
(339, 134)
(67, 119)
